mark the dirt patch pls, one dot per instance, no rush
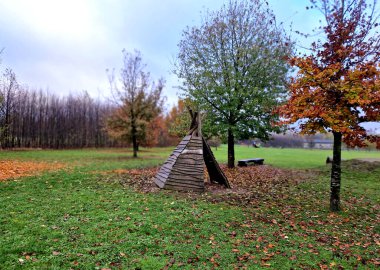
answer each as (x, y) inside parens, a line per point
(11, 169)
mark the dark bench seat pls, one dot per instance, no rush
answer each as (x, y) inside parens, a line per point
(251, 161)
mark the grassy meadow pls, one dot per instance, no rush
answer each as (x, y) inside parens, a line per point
(82, 217)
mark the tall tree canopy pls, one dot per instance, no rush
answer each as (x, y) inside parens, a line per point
(139, 100)
(337, 86)
(233, 66)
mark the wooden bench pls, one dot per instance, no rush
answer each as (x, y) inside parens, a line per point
(251, 161)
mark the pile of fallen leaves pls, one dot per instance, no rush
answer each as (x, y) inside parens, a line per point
(365, 165)
(253, 183)
(11, 169)
(248, 183)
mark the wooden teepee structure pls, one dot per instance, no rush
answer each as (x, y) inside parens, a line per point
(184, 169)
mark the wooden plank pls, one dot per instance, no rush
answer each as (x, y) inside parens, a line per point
(195, 138)
(190, 159)
(213, 169)
(159, 183)
(167, 166)
(176, 154)
(182, 188)
(188, 169)
(189, 162)
(171, 160)
(190, 176)
(194, 142)
(160, 177)
(178, 151)
(164, 175)
(190, 156)
(163, 169)
(192, 151)
(193, 145)
(185, 170)
(179, 172)
(185, 178)
(179, 182)
(182, 144)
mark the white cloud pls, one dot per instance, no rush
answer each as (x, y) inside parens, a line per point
(66, 45)
(57, 19)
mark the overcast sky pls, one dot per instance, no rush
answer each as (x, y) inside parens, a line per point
(66, 45)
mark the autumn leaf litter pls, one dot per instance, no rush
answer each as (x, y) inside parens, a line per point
(14, 169)
(248, 184)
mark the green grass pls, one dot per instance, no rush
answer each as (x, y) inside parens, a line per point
(283, 158)
(291, 158)
(79, 219)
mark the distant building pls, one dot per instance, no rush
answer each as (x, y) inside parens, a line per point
(318, 144)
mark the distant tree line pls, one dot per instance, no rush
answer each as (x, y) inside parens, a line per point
(284, 141)
(294, 140)
(40, 119)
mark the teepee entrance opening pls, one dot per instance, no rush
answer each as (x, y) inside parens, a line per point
(184, 169)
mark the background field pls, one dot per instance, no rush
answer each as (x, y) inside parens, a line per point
(81, 217)
(285, 158)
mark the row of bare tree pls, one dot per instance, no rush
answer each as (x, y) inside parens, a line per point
(40, 119)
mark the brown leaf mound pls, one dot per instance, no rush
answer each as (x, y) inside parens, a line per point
(248, 183)
(11, 169)
(255, 183)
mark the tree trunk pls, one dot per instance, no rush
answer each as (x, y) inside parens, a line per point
(231, 149)
(134, 141)
(336, 173)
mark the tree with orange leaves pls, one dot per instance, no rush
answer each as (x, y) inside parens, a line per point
(139, 101)
(337, 86)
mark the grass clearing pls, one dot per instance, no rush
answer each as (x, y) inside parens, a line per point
(78, 219)
(291, 158)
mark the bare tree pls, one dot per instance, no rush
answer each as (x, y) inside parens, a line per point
(8, 89)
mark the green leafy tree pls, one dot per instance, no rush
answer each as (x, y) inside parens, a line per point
(233, 66)
(139, 101)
